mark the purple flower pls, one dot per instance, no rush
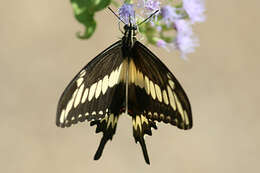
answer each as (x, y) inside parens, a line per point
(186, 44)
(185, 40)
(195, 10)
(159, 28)
(140, 4)
(152, 5)
(183, 27)
(161, 43)
(169, 14)
(126, 11)
(148, 7)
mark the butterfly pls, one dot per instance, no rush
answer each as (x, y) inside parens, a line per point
(125, 79)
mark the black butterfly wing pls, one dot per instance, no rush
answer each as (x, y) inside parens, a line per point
(97, 93)
(154, 94)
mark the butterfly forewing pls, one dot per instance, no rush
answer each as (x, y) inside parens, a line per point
(155, 92)
(97, 90)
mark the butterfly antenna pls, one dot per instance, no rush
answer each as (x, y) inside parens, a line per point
(148, 17)
(116, 15)
(120, 27)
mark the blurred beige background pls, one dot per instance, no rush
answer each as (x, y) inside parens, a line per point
(39, 55)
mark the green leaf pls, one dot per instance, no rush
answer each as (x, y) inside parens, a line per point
(116, 4)
(179, 5)
(84, 11)
(90, 26)
(128, 1)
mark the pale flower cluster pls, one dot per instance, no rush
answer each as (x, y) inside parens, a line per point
(178, 17)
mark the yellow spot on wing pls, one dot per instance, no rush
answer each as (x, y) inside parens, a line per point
(152, 90)
(149, 115)
(171, 98)
(168, 118)
(62, 116)
(105, 84)
(139, 81)
(158, 92)
(115, 121)
(132, 71)
(123, 69)
(78, 96)
(155, 114)
(70, 103)
(171, 83)
(147, 87)
(98, 90)
(134, 124)
(110, 120)
(85, 95)
(79, 81)
(112, 79)
(92, 91)
(165, 98)
(144, 119)
(179, 107)
(82, 73)
(186, 118)
(117, 74)
(161, 116)
(138, 122)
(104, 119)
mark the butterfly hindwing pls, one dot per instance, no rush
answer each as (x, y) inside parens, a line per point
(142, 126)
(107, 125)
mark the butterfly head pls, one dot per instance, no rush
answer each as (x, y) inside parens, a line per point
(130, 28)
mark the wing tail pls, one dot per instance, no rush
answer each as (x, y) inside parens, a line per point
(142, 126)
(107, 125)
(101, 148)
(143, 145)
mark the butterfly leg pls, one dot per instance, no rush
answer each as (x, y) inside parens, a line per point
(107, 125)
(142, 126)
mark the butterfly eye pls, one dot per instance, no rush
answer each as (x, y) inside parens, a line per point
(126, 27)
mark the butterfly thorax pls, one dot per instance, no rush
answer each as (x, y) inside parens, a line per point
(129, 36)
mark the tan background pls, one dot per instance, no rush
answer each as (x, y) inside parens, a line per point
(39, 55)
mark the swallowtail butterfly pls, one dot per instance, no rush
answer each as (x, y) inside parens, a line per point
(125, 79)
